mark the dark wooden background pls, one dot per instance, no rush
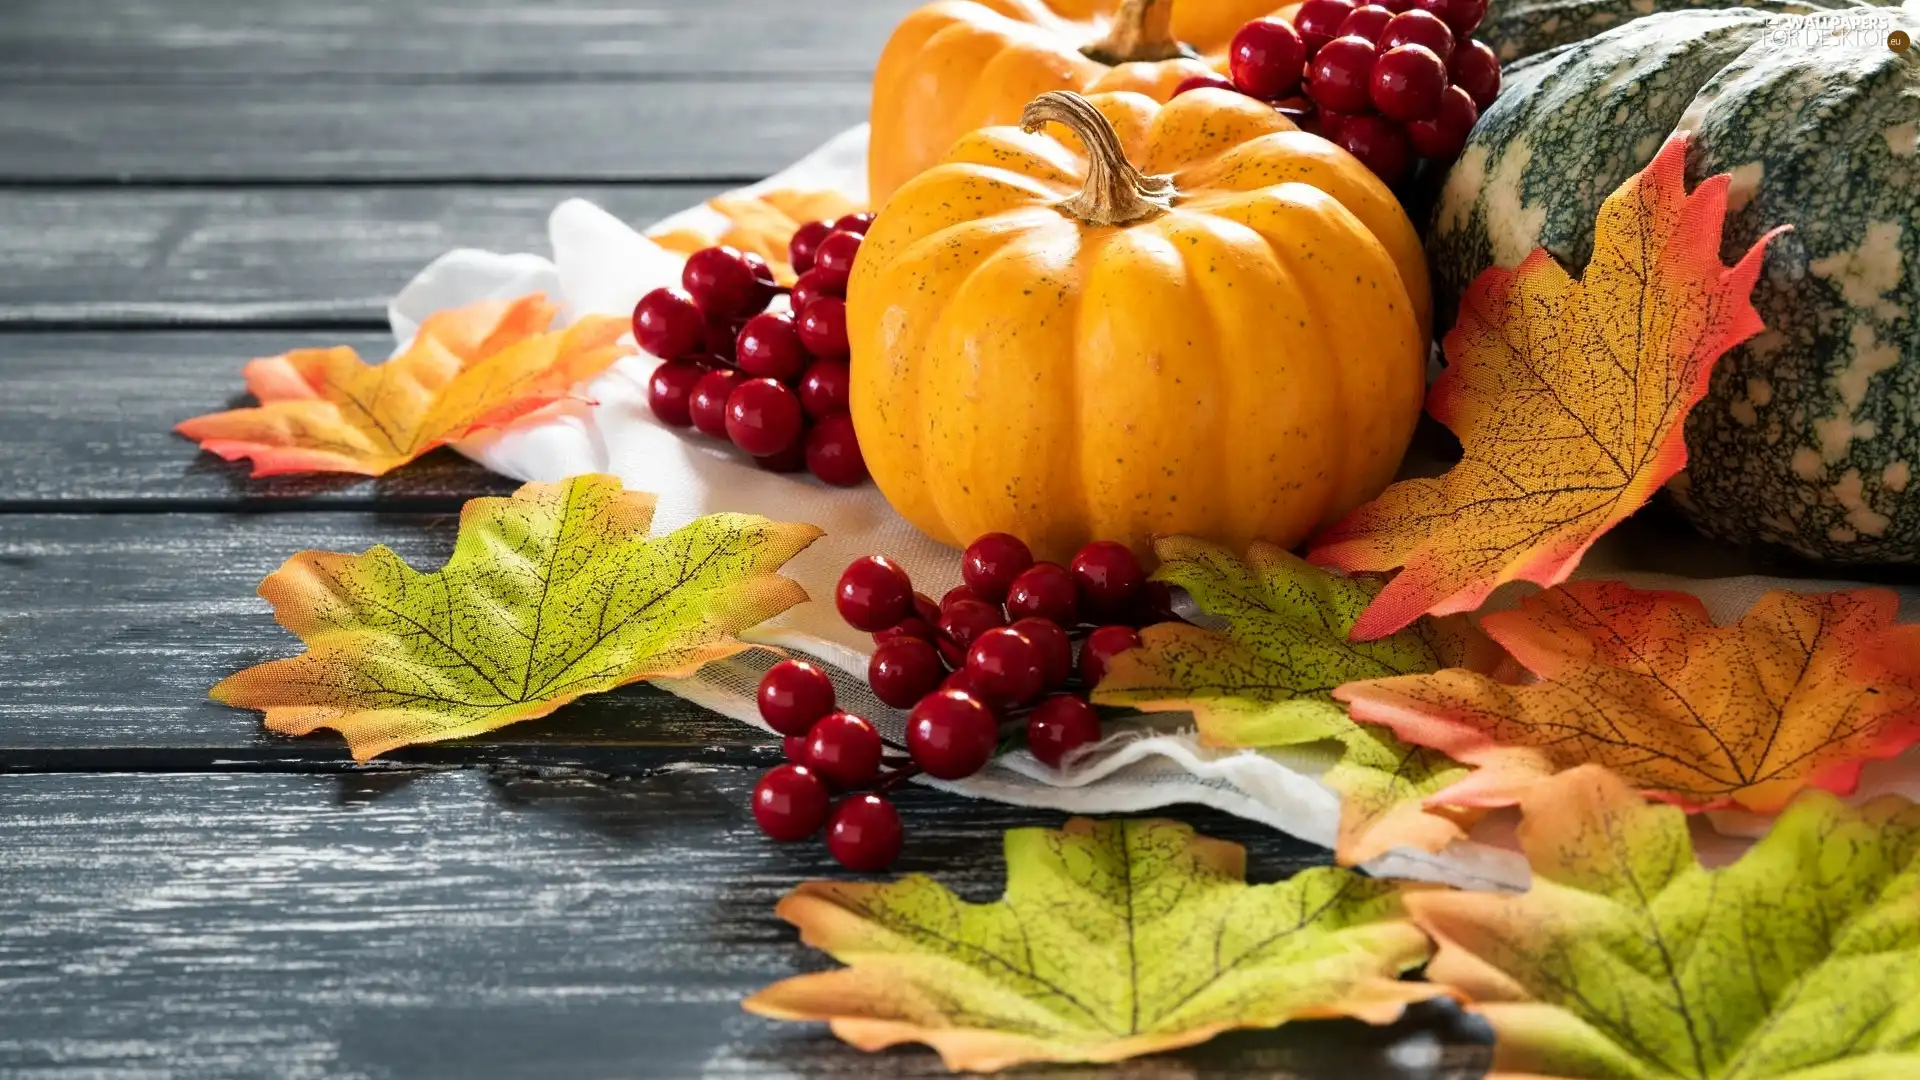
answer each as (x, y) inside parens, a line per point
(190, 183)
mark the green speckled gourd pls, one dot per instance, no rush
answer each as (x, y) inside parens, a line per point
(1810, 434)
(1517, 29)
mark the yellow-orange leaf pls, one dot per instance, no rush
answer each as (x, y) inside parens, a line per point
(762, 224)
(1800, 692)
(326, 410)
(1114, 939)
(1568, 397)
(551, 594)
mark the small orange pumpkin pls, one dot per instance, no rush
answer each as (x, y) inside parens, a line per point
(1059, 346)
(957, 65)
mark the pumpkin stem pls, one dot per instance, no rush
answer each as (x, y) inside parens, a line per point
(1142, 31)
(1115, 193)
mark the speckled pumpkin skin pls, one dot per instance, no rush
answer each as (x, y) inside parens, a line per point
(1249, 364)
(957, 65)
(1517, 29)
(1810, 434)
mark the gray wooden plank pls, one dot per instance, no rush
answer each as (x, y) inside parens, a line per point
(318, 256)
(485, 928)
(201, 40)
(357, 133)
(114, 626)
(87, 419)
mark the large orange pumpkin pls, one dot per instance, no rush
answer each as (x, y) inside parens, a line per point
(1052, 344)
(958, 65)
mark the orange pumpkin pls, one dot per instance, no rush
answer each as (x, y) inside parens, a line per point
(1056, 345)
(957, 65)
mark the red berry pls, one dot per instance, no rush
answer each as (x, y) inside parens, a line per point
(823, 327)
(844, 750)
(837, 253)
(1338, 76)
(990, 564)
(1266, 56)
(925, 609)
(670, 388)
(917, 627)
(769, 286)
(1108, 577)
(833, 452)
(964, 620)
(1319, 22)
(722, 282)
(1006, 667)
(1445, 134)
(1056, 649)
(791, 458)
(806, 240)
(1366, 22)
(960, 592)
(1417, 28)
(723, 337)
(904, 670)
(1379, 143)
(855, 223)
(790, 803)
(1060, 725)
(874, 594)
(952, 734)
(1204, 82)
(865, 833)
(794, 747)
(769, 348)
(763, 417)
(1406, 83)
(1045, 591)
(958, 679)
(707, 405)
(814, 285)
(1327, 124)
(1396, 6)
(1461, 16)
(1476, 70)
(1101, 646)
(1155, 605)
(825, 388)
(793, 695)
(668, 324)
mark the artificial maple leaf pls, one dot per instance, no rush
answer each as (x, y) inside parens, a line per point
(485, 365)
(1569, 398)
(762, 224)
(550, 594)
(1802, 690)
(1266, 680)
(1113, 939)
(1627, 960)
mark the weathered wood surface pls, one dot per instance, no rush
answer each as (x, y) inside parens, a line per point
(87, 419)
(447, 133)
(299, 257)
(461, 926)
(464, 40)
(113, 627)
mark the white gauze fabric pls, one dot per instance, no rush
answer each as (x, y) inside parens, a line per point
(600, 265)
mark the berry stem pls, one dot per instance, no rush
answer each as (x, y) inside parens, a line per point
(1142, 30)
(1115, 193)
(893, 778)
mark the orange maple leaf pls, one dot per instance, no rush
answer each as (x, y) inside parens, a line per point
(484, 365)
(1800, 692)
(1569, 399)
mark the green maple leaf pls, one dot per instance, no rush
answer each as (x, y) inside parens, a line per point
(553, 593)
(1113, 939)
(1629, 961)
(1266, 679)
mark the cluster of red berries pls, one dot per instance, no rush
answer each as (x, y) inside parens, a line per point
(994, 660)
(1388, 80)
(774, 383)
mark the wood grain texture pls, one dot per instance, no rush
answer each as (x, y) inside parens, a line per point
(87, 421)
(460, 925)
(469, 40)
(113, 627)
(535, 133)
(309, 256)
